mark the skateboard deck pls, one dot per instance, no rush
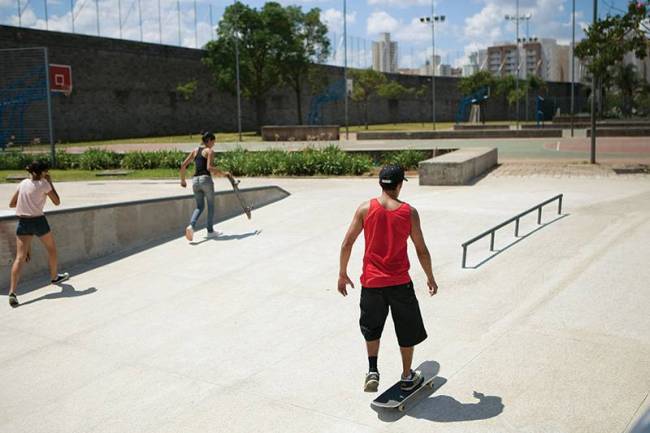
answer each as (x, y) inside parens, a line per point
(395, 398)
(235, 186)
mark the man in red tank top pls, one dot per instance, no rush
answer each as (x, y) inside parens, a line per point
(387, 224)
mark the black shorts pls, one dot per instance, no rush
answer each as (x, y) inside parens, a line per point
(37, 226)
(404, 308)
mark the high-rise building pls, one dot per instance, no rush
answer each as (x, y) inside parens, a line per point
(384, 54)
(426, 69)
(472, 66)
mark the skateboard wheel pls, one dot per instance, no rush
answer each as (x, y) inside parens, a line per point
(401, 408)
(430, 384)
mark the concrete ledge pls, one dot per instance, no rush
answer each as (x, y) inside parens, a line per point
(457, 168)
(300, 133)
(473, 127)
(620, 132)
(92, 232)
(486, 133)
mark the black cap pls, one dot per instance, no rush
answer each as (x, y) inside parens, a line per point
(391, 175)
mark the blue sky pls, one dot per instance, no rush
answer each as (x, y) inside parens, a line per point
(469, 25)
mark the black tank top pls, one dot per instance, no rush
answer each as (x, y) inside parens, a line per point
(201, 164)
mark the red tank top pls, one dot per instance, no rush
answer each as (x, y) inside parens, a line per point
(385, 262)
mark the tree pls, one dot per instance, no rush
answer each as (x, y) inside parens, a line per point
(393, 91)
(262, 36)
(475, 82)
(366, 84)
(307, 44)
(610, 39)
(627, 81)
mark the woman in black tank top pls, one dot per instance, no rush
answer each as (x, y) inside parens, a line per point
(202, 184)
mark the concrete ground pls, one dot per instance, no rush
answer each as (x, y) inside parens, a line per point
(247, 332)
(636, 149)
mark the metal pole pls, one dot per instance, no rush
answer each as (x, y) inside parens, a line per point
(433, 65)
(559, 206)
(49, 107)
(140, 18)
(238, 86)
(539, 215)
(72, 13)
(573, 65)
(196, 28)
(492, 241)
(119, 12)
(97, 15)
(592, 158)
(211, 25)
(517, 68)
(345, 65)
(20, 14)
(159, 23)
(464, 255)
(178, 12)
(517, 227)
(47, 23)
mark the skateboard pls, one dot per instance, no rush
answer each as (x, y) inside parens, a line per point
(235, 186)
(395, 398)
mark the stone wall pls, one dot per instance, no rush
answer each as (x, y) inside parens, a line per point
(129, 89)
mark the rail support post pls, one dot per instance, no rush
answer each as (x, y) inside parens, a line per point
(517, 228)
(464, 255)
(539, 215)
(492, 241)
(559, 205)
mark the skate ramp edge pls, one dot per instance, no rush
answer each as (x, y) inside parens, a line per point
(86, 233)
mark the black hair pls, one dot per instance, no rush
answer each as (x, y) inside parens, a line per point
(37, 168)
(207, 136)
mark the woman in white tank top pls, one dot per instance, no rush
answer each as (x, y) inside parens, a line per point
(29, 201)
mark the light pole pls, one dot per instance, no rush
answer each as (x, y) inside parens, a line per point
(432, 20)
(516, 19)
(237, 35)
(345, 65)
(573, 64)
(593, 101)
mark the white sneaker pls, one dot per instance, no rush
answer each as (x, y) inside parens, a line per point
(212, 235)
(189, 233)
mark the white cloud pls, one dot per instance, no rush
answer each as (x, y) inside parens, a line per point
(403, 3)
(333, 18)
(381, 22)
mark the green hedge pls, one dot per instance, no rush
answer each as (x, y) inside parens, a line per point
(330, 161)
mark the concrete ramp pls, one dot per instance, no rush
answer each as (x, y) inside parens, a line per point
(90, 232)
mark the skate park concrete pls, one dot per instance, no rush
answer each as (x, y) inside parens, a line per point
(247, 332)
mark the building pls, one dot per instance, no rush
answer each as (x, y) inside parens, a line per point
(426, 69)
(472, 66)
(384, 54)
(544, 58)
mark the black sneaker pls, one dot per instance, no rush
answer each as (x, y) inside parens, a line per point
(372, 382)
(61, 278)
(413, 381)
(13, 300)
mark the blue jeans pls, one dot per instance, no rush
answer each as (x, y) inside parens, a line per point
(203, 189)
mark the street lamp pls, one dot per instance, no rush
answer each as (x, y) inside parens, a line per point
(345, 65)
(432, 21)
(516, 18)
(592, 158)
(573, 65)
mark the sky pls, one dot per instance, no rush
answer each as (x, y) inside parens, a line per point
(469, 24)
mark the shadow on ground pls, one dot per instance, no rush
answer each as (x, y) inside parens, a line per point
(67, 291)
(443, 408)
(519, 238)
(224, 237)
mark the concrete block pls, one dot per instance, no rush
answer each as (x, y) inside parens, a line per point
(300, 133)
(457, 168)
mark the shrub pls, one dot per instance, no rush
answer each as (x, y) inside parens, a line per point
(10, 160)
(67, 161)
(98, 159)
(407, 159)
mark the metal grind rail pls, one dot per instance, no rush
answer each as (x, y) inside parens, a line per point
(514, 219)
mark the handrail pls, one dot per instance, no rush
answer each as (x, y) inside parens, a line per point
(515, 218)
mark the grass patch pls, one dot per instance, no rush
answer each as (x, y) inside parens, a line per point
(89, 175)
